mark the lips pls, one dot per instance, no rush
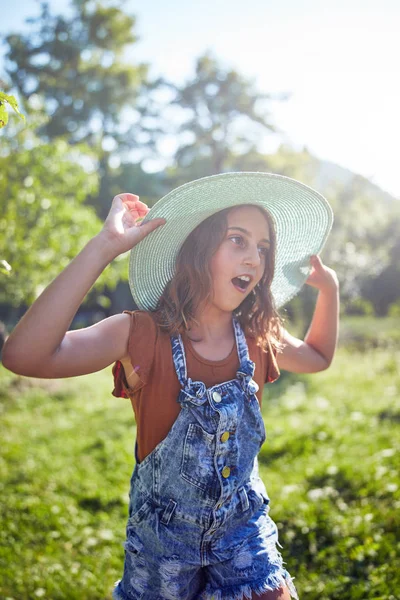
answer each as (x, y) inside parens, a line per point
(242, 282)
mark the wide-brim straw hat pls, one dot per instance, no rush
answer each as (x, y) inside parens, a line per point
(302, 219)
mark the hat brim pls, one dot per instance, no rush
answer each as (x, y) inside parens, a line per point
(303, 219)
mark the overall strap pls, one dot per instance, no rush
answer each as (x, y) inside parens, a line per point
(179, 358)
(241, 344)
(247, 367)
(193, 392)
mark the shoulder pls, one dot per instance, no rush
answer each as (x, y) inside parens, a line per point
(140, 332)
(147, 343)
(140, 322)
(140, 316)
(260, 350)
(264, 358)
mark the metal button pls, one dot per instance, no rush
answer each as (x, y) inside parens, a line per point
(226, 472)
(217, 397)
(225, 436)
(253, 386)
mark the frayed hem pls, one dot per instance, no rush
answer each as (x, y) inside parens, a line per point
(290, 586)
(116, 594)
(241, 592)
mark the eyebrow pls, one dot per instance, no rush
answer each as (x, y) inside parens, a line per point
(249, 234)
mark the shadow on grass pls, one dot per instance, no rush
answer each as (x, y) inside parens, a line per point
(347, 486)
(96, 504)
(305, 444)
(389, 415)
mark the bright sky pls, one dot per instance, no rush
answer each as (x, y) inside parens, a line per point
(338, 58)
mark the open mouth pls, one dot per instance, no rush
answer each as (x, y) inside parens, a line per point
(242, 282)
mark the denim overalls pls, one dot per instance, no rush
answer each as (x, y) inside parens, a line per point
(198, 524)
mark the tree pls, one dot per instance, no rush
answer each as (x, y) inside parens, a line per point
(75, 64)
(43, 221)
(226, 117)
(90, 94)
(382, 287)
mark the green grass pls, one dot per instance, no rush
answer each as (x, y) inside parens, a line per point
(330, 464)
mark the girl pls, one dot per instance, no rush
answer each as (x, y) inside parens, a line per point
(210, 265)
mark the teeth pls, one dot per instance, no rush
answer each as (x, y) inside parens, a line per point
(244, 278)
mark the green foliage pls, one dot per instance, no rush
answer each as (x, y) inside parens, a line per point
(75, 64)
(4, 100)
(359, 306)
(74, 68)
(330, 464)
(43, 221)
(394, 310)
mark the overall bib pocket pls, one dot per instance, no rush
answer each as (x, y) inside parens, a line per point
(198, 457)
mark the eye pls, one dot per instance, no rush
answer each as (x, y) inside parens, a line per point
(263, 250)
(237, 240)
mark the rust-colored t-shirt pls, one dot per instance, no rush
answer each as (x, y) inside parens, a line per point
(154, 397)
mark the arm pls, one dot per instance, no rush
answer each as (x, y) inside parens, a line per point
(316, 352)
(40, 345)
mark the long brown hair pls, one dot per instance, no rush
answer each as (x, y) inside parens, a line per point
(191, 286)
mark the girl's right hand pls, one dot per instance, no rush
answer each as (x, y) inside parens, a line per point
(122, 228)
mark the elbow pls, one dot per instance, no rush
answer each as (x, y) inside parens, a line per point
(21, 362)
(317, 364)
(324, 365)
(10, 360)
(320, 361)
(14, 361)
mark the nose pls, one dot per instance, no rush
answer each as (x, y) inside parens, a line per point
(252, 256)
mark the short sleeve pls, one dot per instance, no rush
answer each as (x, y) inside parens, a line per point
(121, 387)
(141, 347)
(272, 371)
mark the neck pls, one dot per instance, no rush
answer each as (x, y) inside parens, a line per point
(211, 325)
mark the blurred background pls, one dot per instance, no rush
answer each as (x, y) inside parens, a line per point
(142, 97)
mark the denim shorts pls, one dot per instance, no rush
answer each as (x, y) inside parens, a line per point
(163, 556)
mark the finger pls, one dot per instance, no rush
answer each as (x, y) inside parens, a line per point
(128, 197)
(316, 262)
(137, 206)
(141, 208)
(117, 201)
(150, 226)
(126, 202)
(135, 203)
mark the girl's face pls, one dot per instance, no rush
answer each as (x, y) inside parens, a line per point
(239, 262)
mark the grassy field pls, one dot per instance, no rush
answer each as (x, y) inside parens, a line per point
(330, 464)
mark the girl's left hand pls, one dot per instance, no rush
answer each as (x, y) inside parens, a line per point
(322, 277)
